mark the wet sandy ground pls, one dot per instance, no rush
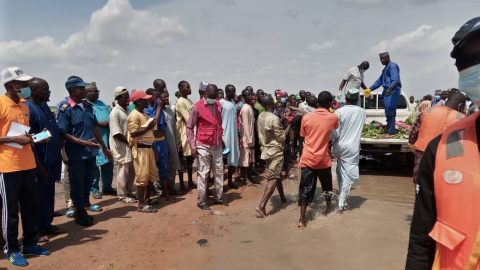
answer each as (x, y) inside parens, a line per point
(372, 235)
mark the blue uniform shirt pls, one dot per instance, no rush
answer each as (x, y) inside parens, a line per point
(48, 153)
(78, 122)
(102, 113)
(151, 111)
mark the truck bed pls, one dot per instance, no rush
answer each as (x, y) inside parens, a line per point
(384, 145)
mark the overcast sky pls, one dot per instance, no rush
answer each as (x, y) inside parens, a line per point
(269, 44)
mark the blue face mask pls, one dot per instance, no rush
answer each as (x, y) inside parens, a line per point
(283, 100)
(469, 82)
(362, 70)
(211, 101)
(437, 98)
(25, 92)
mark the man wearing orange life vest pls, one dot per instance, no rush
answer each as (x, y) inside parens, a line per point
(431, 123)
(445, 226)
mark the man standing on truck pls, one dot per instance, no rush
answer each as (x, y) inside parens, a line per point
(431, 123)
(352, 79)
(390, 80)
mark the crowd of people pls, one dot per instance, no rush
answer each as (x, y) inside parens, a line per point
(149, 141)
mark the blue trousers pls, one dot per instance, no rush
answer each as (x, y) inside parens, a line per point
(105, 172)
(161, 148)
(81, 174)
(46, 191)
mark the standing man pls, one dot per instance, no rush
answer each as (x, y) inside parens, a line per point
(18, 190)
(206, 144)
(140, 138)
(160, 145)
(390, 81)
(230, 131)
(122, 152)
(49, 155)
(202, 89)
(353, 79)
(432, 122)
(315, 160)
(258, 104)
(174, 144)
(182, 109)
(346, 144)
(160, 85)
(247, 146)
(272, 138)
(79, 128)
(444, 231)
(413, 104)
(104, 166)
(221, 94)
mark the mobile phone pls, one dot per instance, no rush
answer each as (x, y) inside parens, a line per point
(40, 136)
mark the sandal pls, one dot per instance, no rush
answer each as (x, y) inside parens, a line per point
(70, 212)
(129, 200)
(96, 208)
(147, 209)
(97, 195)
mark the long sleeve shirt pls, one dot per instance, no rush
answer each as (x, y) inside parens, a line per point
(192, 123)
(390, 77)
(247, 126)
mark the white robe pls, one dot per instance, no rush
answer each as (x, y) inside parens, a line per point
(346, 147)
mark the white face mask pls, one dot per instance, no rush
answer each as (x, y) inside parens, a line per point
(211, 101)
(469, 82)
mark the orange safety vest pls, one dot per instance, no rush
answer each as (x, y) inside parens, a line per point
(433, 122)
(457, 197)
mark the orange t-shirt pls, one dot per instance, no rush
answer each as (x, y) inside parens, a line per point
(13, 159)
(316, 128)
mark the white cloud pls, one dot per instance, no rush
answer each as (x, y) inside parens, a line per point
(114, 28)
(318, 47)
(425, 40)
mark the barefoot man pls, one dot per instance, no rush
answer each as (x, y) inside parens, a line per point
(272, 138)
(315, 161)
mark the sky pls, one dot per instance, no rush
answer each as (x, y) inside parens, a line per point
(268, 44)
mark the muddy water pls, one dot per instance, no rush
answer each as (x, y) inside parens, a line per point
(372, 235)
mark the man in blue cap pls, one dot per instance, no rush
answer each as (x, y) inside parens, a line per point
(79, 128)
(390, 80)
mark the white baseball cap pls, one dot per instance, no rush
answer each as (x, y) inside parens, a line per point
(120, 91)
(14, 74)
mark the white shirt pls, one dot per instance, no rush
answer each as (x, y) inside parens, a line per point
(354, 80)
(346, 138)
(122, 152)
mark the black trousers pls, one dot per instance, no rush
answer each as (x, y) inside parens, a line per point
(308, 184)
(19, 193)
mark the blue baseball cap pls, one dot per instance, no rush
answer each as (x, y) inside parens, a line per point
(72, 82)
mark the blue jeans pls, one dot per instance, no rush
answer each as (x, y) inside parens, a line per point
(106, 173)
(81, 174)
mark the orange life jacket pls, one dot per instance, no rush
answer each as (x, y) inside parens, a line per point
(457, 197)
(433, 122)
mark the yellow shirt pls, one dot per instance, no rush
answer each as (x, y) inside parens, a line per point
(13, 159)
(135, 120)
(182, 109)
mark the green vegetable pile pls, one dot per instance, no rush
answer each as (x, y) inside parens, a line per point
(372, 132)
